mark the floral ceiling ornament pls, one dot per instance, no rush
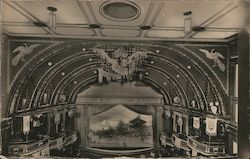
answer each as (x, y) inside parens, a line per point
(215, 56)
(21, 51)
(119, 63)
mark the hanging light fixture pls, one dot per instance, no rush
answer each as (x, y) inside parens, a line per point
(187, 21)
(52, 18)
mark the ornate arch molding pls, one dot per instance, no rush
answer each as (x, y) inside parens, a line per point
(188, 77)
(175, 83)
(76, 90)
(30, 67)
(180, 90)
(44, 55)
(166, 76)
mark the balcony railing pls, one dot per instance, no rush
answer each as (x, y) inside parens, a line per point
(57, 141)
(71, 138)
(62, 140)
(26, 148)
(180, 141)
(206, 148)
(166, 140)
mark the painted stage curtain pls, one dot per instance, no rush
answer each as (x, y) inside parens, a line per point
(141, 109)
(97, 109)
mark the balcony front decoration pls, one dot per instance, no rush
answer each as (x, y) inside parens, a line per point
(196, 122)
(26, 124)
(167, 114)
(57, 121)
(211, 126)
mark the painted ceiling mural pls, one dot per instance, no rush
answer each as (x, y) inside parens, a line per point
(46, 72)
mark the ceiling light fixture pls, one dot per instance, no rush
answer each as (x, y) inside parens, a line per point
(94, 26)
(198, 28)
(145, 27)
(52, 17)
(40, 24)
(187, 21)
(50, 63)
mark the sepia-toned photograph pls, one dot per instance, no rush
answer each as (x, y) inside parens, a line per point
(125, 79)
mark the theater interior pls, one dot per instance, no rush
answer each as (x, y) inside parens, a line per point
(94, 79)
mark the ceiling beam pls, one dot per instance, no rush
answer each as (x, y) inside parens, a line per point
(218, 15)
(119, 38)
(26, 13)
(150, 18)
(146, 20)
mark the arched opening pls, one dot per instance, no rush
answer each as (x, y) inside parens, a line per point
(119, 119)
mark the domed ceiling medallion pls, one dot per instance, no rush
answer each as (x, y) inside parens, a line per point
(120, 10)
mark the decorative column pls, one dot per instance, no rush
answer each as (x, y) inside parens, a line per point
(186, 124)
(158, 123)
(82, 124)
(64, 119)
(243, 44)
(49, 123)
(174, 122)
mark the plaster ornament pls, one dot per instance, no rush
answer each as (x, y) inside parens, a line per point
(21, 51)
(215, 56)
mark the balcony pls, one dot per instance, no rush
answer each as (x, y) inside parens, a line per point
(62, 140)
(57, 141)
(71, 137)
(27, 148)
(180, 141)
(206, 148)
(166, 140)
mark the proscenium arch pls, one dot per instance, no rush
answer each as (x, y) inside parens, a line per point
(43, 57)
(66, 62)
(156, 70)
(71, 78)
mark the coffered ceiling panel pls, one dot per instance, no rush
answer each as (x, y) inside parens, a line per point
(172, 12)
(24, 29)
(67, 11)
(165, 34)
(74, 31)
(9, 14)
(120, 33)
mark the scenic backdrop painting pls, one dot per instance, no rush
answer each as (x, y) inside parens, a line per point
(120, 127)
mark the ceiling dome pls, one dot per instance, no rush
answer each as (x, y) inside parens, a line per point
(120, 11)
